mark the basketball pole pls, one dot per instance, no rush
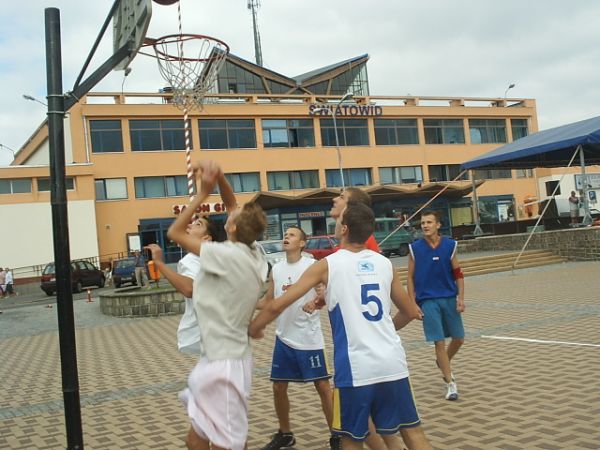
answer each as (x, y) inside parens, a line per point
(60, 231)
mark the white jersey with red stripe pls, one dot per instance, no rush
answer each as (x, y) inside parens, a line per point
(367, 349)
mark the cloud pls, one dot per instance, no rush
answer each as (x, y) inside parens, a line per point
(473, 48)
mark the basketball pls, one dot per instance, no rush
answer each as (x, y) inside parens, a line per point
(165, 2)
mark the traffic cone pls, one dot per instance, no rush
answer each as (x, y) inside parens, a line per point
(89, 297)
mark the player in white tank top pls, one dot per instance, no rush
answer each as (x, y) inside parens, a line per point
(367, 349)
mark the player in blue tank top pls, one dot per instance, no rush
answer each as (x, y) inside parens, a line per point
(436, 282)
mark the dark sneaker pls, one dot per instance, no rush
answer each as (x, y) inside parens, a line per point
(335, 443)
(280, 440)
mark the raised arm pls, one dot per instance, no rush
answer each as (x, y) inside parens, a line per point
(206, 179)
(315, 274)
(182, 283)
(227, 194)
(269, 295)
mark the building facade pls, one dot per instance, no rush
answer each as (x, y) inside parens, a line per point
(275, 137)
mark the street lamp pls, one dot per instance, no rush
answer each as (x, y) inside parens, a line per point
(510, 86)
(9, 149)
(33, 99)
(347, 96)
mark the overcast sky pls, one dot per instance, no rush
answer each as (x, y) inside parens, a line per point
(550, 49)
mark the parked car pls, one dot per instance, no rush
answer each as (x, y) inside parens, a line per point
(273, 251)
(124, 271)
(83, 274)
(321, 246)
(398, 242)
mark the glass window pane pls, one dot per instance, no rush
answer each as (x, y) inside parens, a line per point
(386, 175)
(213, 139)
(250, 182)
(100, 191)
(21, 186)
(116, 188)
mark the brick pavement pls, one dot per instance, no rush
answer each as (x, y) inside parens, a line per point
(514, 394)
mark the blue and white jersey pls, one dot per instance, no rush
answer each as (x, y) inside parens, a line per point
(367, 349)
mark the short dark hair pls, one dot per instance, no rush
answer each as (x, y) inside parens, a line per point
(358, 195)
(360, 220)
(212, 229)
(434, 213)
(250, 223)
(302, 232)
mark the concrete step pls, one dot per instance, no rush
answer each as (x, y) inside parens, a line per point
(501, 263)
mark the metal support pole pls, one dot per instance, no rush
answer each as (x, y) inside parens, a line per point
(337, 147)
(60, 229)
(587, 217)
(477, 231)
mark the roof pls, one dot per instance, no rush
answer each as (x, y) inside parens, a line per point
(318, 72)
(554, 147)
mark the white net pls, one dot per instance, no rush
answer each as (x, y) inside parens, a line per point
(189, 63)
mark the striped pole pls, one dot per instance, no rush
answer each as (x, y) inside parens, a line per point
(186, 124)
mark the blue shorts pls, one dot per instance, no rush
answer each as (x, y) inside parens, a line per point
(391, 405)
(290, 364)
(441, 319)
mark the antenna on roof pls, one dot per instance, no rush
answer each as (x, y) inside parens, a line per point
(253, 6)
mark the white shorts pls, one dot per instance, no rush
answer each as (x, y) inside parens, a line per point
(217, 400)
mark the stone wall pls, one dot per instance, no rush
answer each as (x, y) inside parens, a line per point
(579, 244)
(142, 302)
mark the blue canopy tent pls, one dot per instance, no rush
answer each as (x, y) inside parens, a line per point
(555, 147)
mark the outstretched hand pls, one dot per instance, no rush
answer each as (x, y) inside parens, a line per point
(312, 305)
(157, 253)
(207, 175)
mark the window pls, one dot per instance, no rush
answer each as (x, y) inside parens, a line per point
(349, 131)
(524, 173)
(519, 128)
(444, 131)
(492, 174)
(550, 186)
(15, 186)
(111, 189)
(153, 187)
(288, 133)
(487, 131)
(156, 135)
(43, 184)
(106, 136)
(244, 182)
(352, 177)
(396, 132)
(399, 175)
(445, 172)
(223, 134)
(300, 179)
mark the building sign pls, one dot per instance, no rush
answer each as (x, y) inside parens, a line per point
(304, 215)
(326, 109)
(205, 208)
(593, 181)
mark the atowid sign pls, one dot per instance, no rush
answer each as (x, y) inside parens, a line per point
(325, 109)
(204, 208)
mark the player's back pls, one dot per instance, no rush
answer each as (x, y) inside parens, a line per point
(367, 349)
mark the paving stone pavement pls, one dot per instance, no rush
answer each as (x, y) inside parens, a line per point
(514, 394)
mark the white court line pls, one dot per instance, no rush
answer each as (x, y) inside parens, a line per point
(539, 341)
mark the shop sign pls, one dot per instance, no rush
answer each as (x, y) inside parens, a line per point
(204, 208)
(325, 109)
(593, 181)
(304, 215)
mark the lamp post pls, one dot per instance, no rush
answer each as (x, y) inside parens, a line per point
(9, 149)
(347, 96)
(33, 99)
(510, 86)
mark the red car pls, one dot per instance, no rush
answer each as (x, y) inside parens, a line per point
(321, 246)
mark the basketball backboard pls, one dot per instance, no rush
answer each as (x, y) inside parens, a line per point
(130, 24)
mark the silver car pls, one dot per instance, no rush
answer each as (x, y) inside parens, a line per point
(273, 251)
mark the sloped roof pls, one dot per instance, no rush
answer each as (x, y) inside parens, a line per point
(300, 79)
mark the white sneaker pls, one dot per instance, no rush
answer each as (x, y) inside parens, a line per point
(451, 391)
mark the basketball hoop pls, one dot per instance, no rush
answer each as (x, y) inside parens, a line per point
(189, 63)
